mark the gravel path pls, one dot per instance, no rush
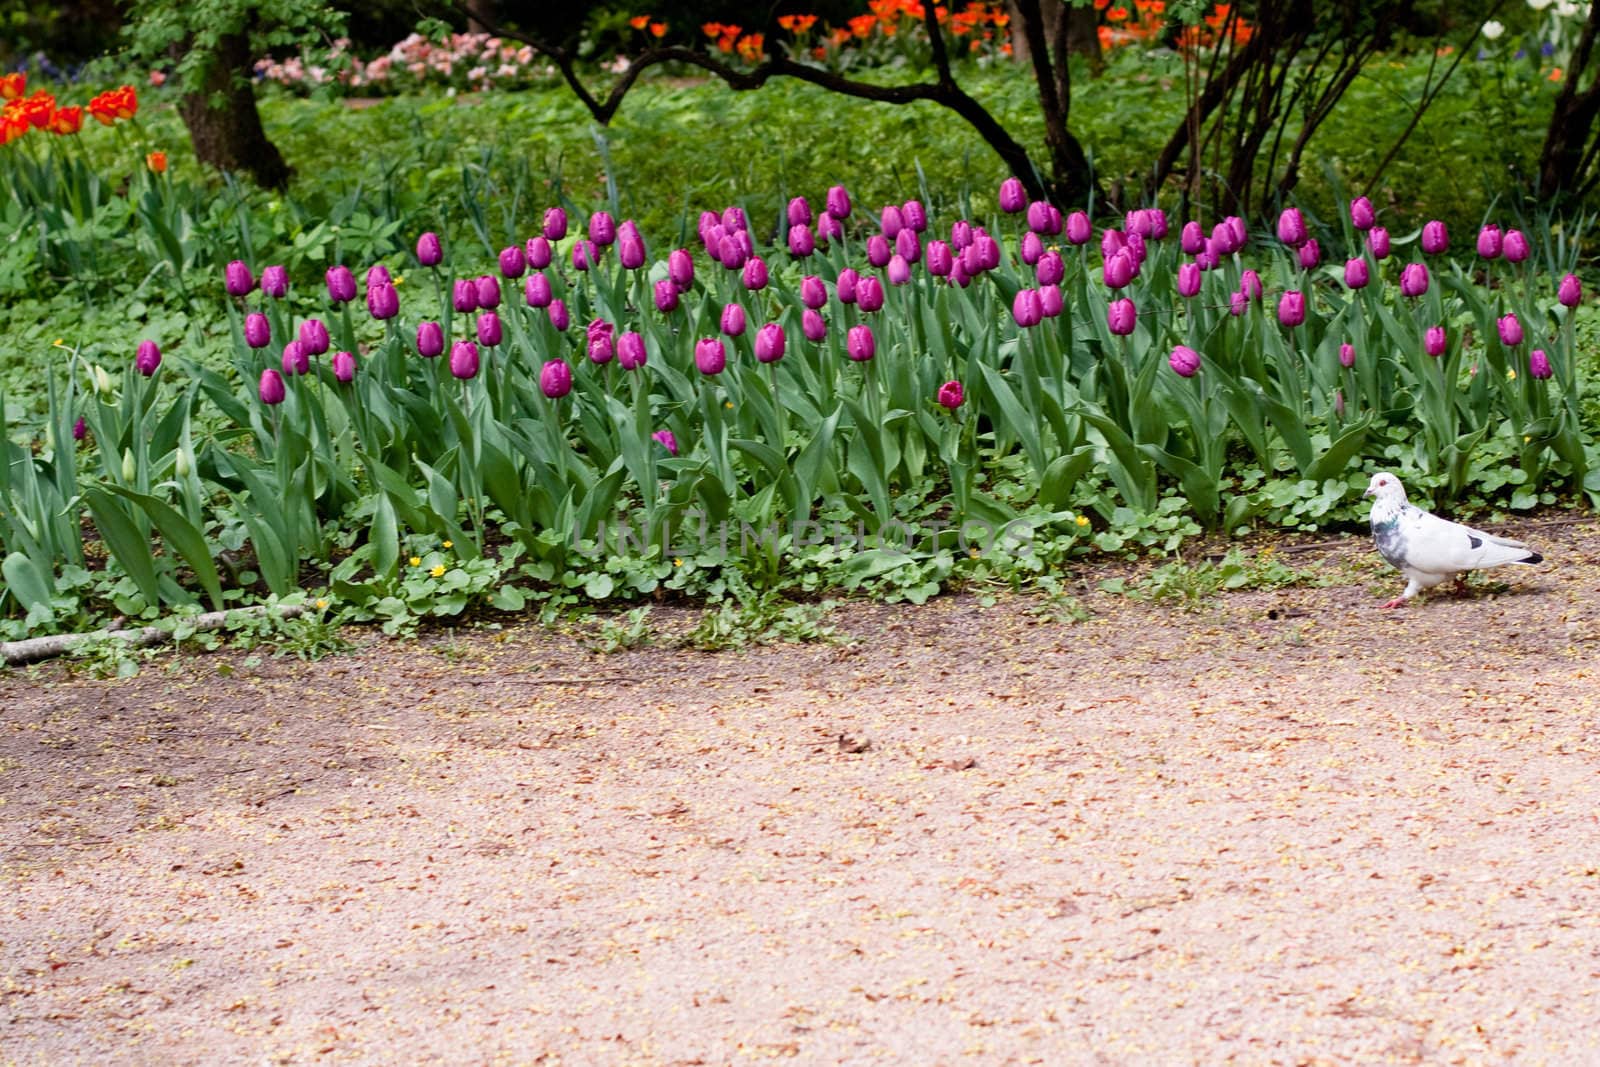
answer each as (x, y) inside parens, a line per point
(1287, 829)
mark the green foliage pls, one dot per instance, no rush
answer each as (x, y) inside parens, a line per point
(196, 30)
(1196, 586)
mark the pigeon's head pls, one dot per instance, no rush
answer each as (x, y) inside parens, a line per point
(1386, 487)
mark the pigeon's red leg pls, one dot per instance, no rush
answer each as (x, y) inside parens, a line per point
(1462, 588)
(1397, 602)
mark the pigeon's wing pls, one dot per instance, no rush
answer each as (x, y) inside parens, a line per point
(1439, 546)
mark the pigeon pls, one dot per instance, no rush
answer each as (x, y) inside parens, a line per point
(1428, 549)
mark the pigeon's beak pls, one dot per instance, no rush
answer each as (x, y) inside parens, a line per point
(1369, 492)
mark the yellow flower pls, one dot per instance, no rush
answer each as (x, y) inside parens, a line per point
(973, 553)
(415, 561)
(1083, 520)
(438, 570)
(448, 544)
(396, 280)
(728, 404)
(1511, 375)
(677, 563)
(322, 602)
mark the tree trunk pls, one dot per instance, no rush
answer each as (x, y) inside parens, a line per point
(1562, 160)
(229, 136)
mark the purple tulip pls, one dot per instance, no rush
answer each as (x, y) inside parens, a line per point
(680, 268)
(430, 339)
(1310, 254)
(1378, 242)
(538, 252)
(559, 318)
(1043, 218)
(1238, 303)
(1118, 270)
(1347, 355)
(1539, 364)
(959, 275)
(487, 291)
(799, 213)
(898, 272)
(1292, 308)
(1013, 197)
(146, 358)
(1237, 230)
(732, 322)
(271, 388)
(1414, 280)
(860, 344)
(1031, 248)
(891, 222)
(755, 274)
(464, 360)
(1207, 260)
(845, 287)
(344, 367)
(960, 234)
(489, 331)
(828, 228)
(238, 279)
(1435, 238)
(464, 296)
(296, 360)
(1292, 227)
(915, 216)
(1184, 360)
(341, 284)
(1112, 242)
(631, 353)
(1050, 269)
(314, 335)
(1489, 241)
(383, 302)
(1026, 309)
(378, 274)
(878, 250)
(275, 282)
(940, 259)
(839, 202)
(1050, 300)
(555, 379)
(257, 331)
(667, 441)
(950, 395)
(1136, 249)
(987, 250)
(733, 218)
(1510, 329)
(536, 291)
(1361, 213)
(907, 245)
(80, 429)
(813, 325)
(630, 250)
(731, 252)
(429, 252)
(1079, 228)
(1188, 279)
(1121, 317)
(1222, 240)
(1136, 221)
(801, 242)
(1433, 341)
(769, 343)
(555, 224)
(1355, 273)
(585, 254)
(710, 354)
(666, 295)
(869, 294)
(1570, 292)
(1516, 246)
(602, 228)
(1192, 239)
(813, 291)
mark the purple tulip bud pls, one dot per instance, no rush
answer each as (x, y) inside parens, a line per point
(538, 252)
(314, 335)
(860, 344)
(769, 343)
(1118, 271)
(828, 228)
(733, 320)
(915, 216)
(585, 254)
(1292, 227)
(898, 272)
(711, 355)
(296, 360)
(1433, 341)
(1237, 229)
(1135, 246)
(601, 348)
(341, 284)
(666, 296)
(257, 331)
(1184, 360)
(1355, 273)
(1158, 223)
(1031, 249)
(733, 218)
(1026, 309)
(1435, 238)
(960, 234)
(988, 250)
(1050, 268)
(489, 333)
(1222, 243)
(1079, 228)
(1414, 280)
(631, 353)
(878, 250)
(813, 291)
(80, 429)
(1188, 279)
(536, 291)
(275, 282)
(801, 242)
(1013, 197)
(1378, 242)
(1347, 355)
(602, 228)
(1361, 214)
(1122, 317)
(1041, 219)
(1112, 242)
(799, 212)
(1136, 221)
(344, 367)
(680, 268)
(1050, 300)
(464, 296)
(869, 294)
(1192, 239)
(378, 274)
(1489, 241)
(908, 246)
(940, 260)
(487, 291)
(891, 222)
(731, 253)
(1570, 292)
(430, 339)
(513, 262)
(429, 252)
(1539, 364)
(1207, 260)
(238, 278)
(630, 250)
(271, 388)
(1292, 308)
(1310, 254)
(1338, 402)
(146, 358)
(845, 287)
(1510, 330)
(1238, 303)
(383, 302)
(959, 275)
(950, 395)
(555, 224)
(839, 202)
(813, 325)
(709, 221)
(667, 441)
(755, 274)
(558, 314)
(1516, 246)
(555, 379)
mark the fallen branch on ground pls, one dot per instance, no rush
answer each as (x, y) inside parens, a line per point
(34, 649)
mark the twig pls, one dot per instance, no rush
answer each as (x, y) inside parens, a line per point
(34, 649)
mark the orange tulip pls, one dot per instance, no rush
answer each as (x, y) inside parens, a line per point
(658, 29)
(67, 120)
(639, 22)
(12, 86)
(157, 162)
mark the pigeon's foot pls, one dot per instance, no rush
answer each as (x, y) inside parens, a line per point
(1462, 588)
(1397, 602)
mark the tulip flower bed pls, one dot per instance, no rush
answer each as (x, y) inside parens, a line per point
(881, 401)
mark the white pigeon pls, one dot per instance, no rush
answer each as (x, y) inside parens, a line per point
(1428, 549)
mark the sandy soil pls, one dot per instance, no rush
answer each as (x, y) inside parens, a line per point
(1289, 829)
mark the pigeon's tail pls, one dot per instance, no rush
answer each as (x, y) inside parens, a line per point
(1531, 557)
(1496, 551)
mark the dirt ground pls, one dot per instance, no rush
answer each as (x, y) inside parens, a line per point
(1290, 828)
